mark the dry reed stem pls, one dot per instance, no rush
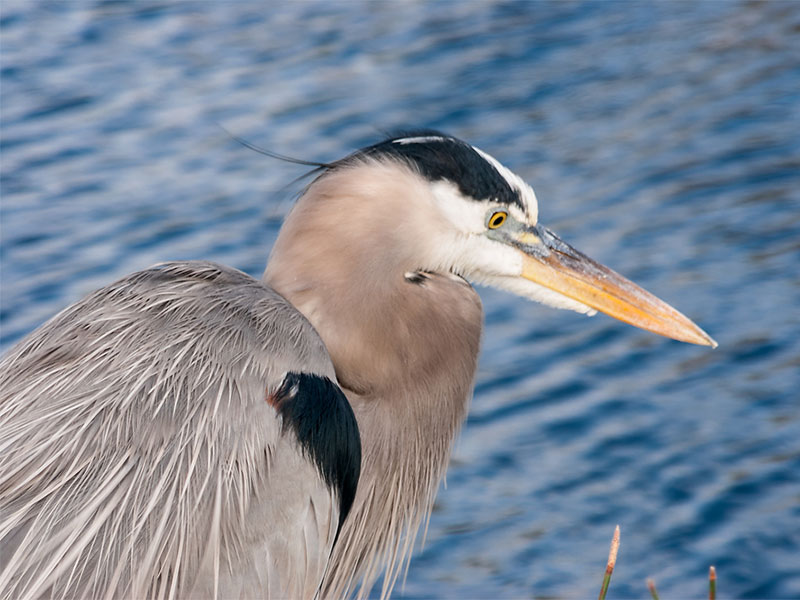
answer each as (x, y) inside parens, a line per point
(612, 560)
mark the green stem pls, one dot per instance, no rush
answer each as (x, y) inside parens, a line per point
(712, 583)
(651, 585)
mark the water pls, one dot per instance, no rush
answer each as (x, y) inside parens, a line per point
(662, 139)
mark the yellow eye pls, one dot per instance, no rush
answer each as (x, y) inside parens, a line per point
(497, 219)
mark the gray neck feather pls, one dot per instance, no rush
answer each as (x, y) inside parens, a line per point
(404, 352)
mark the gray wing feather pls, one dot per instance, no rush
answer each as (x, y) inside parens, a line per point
(138, 456)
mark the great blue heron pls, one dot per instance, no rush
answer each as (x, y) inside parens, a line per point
(191, 431)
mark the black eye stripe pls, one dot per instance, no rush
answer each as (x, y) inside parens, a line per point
(437, 156)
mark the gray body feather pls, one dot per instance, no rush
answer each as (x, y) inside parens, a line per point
(138, 456)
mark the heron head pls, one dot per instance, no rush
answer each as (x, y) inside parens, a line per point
(487, 231)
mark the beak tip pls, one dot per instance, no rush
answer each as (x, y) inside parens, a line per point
(701, 338)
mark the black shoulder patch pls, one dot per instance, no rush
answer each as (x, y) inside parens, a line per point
(321, 417)
(438, 156)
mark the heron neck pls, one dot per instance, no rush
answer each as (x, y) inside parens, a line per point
(405, 353)
(341, 258)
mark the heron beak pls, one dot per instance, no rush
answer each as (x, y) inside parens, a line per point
(552, 263)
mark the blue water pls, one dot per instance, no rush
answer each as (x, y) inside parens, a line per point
(662, 139)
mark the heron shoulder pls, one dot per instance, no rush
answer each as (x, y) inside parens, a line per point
(198, 305)
(149, 397)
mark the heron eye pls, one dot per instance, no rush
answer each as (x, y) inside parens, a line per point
(497, 219)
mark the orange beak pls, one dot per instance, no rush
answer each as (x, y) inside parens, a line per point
(554, 264)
